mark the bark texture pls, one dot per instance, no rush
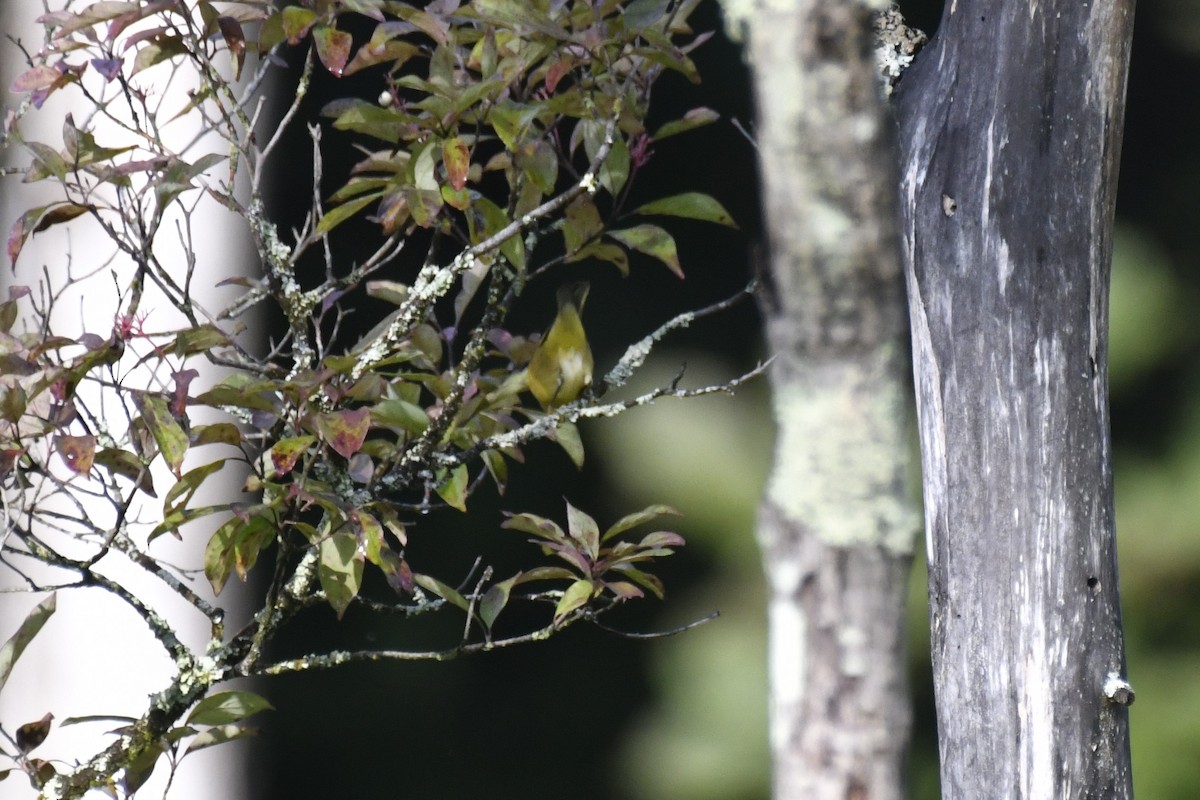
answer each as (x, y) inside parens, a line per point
(1010, 134)
(838, 522)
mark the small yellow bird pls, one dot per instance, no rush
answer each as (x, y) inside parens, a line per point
(561, 369)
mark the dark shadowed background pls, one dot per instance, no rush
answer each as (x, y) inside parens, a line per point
(594, 716)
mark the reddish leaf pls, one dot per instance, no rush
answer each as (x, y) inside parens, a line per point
(179, 396)
(333, 48)
(31, 734)
(40, 77)
(345, 431)
(457, 160)
(77, 452)
(286, 452)
(235, 40)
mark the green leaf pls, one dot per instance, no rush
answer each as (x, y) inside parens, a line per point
(453, 489)
(432, 584)
(696, 118)
(546, 574)
(660, 541)
(604, 251)
(643, 579)
(584, 530)
(127, 465)
(171, 439)
(373, 543)
(219, 734)
(642, 14)
(340, 570)
(493, 601)
(16, 644)
(216, 433)
(159, 49)
(187, 485)
(648, 514)
(223, 708)
(139, 770)
(493, 221)
(582, 223)
(576, 596)
(538, 526)
(382, 48)
(339, 214)
(387, 124)
(537, 161)
(614, 172)
(296, 22)
(400, 414)
(235, 547)
(567, 436)
(653, 241)
(692, 205)
(200, 340)
(518, 14)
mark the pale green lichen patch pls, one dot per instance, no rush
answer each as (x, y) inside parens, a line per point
(843, 458)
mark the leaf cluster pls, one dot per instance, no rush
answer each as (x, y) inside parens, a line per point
(504, 139)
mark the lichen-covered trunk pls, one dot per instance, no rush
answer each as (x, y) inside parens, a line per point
(1010, 133)
(838, 520)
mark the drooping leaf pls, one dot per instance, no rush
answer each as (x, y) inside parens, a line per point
(583, 529)
(340, 570)
(339, 214)
(219, 734)
(186, 487)
(576, 596)
(653, 241)
(447, 593)
(453, 487)
(16, 644)
(235, 40)
(456, 157)
(648, 514)
(333, 48)
(493, 602)
(567, 436)
(696, 118)
(692, 205)
(127, 465)
(170, 437)
(32, 734)
(223, 708)
(538, 526)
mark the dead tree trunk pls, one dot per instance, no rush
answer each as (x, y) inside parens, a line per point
(1010, 134)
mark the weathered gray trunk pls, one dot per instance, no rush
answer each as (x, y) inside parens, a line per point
(1010, 134)
(838, 521)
